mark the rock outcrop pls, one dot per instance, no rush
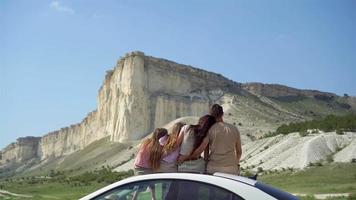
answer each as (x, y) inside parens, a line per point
(144, 92)
(294, 151)
(140, 93)
(70, 139)
(23, 149)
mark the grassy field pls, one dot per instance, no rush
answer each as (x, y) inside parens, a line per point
(50, 190)
(61, 184)
(331, 178)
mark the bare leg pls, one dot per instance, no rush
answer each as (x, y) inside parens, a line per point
(153, 191)
(134, 197)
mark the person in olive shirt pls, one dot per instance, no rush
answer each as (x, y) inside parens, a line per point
(222, 145)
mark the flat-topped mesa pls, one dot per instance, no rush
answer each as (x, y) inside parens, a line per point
(207, 80)
(212, 80)
(276, 90)
(144, 92)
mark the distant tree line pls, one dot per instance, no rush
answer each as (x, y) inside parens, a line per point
(327, 124)
(105, 175)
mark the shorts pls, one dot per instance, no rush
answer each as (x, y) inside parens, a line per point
(233, 169)
(195, 166)
(166, 167)
(142, 171)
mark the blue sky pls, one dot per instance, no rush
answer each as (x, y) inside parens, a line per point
(54, 54)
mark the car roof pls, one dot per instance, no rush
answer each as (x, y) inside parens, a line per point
(217, 178)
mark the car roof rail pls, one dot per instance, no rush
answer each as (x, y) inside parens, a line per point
(241, 179)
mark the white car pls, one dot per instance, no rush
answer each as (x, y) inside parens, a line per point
(185, 186)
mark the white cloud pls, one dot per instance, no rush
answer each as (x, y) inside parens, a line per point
(97, 16)
(56, 5)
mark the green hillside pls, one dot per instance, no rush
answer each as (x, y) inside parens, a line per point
(331, 178)
(326, 124)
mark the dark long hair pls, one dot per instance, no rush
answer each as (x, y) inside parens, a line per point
(201, 129)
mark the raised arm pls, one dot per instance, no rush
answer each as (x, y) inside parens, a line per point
(180, 138)
(181, 158)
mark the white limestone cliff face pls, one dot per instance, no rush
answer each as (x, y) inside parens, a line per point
(70, 139)
(139, 94)
(21, 150)
(142, 93)
(347, 154)
(123, 100)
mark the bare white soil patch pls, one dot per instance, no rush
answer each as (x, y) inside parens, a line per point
(294, 151)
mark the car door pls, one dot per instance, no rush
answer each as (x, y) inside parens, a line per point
(171, 189)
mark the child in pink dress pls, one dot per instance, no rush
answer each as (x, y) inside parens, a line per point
(148, 159)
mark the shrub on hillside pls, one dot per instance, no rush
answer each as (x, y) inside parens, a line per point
(319, 163)
(339, 132)
(105, 174)
(247, 173)
(327, 124)
(329, 158)
(270, 134)
(303, 133)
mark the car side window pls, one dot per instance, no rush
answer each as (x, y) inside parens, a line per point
(168, 190)
(141, 190)
(202, 191)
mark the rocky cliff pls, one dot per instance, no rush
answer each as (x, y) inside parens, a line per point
(144, 92)
(23, 149)
(140, 93)
(70, 139)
